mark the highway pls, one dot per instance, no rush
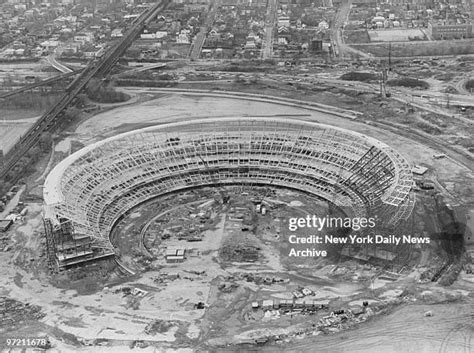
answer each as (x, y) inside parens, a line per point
(147, 67)
(97, 68)
(270, 23)
(56, 64)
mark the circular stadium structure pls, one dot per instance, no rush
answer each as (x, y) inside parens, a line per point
(93, 188)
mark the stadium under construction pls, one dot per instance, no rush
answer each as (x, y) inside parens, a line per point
(87, 193)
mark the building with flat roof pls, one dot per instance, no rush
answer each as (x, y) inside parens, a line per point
(174, 255)
(450, 30)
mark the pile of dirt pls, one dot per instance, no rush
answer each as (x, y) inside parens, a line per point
(240, 252)
(408, 82)
(360, 76)
(158, 326)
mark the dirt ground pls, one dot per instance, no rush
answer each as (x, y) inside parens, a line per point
(10, 132)
(450, 329)
(117, 320)
(110, 317)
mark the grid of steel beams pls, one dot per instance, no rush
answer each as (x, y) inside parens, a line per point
(96, 185)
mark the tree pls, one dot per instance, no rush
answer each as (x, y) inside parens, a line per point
(4, 187)
(81, 100)
(72, 114)
(45, 141)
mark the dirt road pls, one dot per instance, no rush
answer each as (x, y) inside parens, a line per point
(449, 330)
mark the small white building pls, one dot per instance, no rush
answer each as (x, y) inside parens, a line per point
(84, 38)
(284, 21)
(49, 45)
(116, 33)
(182, 38)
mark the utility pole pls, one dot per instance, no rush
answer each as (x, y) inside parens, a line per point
(383, 80)
(389, 56)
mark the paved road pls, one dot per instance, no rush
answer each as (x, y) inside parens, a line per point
(270, 23)
(57, 65)
(341, 49)
(461, 86)
(201, 36)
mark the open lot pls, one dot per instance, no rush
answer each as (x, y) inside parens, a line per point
(11, 131)
(395, 35)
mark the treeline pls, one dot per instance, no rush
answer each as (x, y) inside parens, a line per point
(360, 76)
(470, 85)
(31, 100)
(146, 83)
(101, 92)
(408, 82)
(162, 76)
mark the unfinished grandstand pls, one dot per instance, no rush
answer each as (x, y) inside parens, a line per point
(88, 192)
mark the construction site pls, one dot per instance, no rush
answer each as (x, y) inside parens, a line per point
(88, 192)
(290, 203)
(178, 234)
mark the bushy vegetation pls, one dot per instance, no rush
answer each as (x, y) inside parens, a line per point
(30, 100)
(470, 85)
(359, 76)
(147, 75)
(26, 164)
(241, 68)
(100, 92)
(408, 82)
(146, 83)
(429, 128)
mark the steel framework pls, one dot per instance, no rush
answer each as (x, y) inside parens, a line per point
(96, 185)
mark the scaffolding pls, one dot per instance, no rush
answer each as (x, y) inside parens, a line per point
(65, 248)
(98, 184)
(50, 244)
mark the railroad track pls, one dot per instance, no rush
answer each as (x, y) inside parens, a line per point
(97, 68)
(38, 84)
